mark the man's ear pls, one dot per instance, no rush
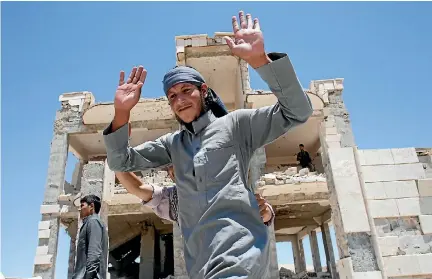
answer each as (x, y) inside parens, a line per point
(204, 89)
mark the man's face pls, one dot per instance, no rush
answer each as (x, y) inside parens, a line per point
(301, 148)
(85, 210)
(185, 100)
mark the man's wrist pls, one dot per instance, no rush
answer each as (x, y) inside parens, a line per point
(259, 61)
(121, 117)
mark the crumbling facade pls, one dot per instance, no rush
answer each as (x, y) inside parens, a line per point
(378, 201)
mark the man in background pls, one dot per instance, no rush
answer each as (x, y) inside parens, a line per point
(92, 249)
(304, 159)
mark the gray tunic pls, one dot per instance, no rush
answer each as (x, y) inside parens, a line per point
(224, 236)
(92, 250)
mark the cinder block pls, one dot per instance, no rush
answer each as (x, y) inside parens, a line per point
(44, 225)
(44, 234)
(330, 138)
(42, 250)
(333, 144)
(331, 131)
(408, 206)
(43, 260)
(367, 275)
(50, 209)
(375, 191)
(425, 187)
(404, 155)
(426, 205)
(388, 245)
(425, 263)
(370, 157)
(426, 223)
(402, 265)
(401, 189)
(383, 208)
(393, 172)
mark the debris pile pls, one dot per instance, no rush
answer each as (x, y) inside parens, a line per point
(290, 176)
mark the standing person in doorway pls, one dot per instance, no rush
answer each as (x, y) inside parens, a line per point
(304, 159)
(92, 249)
(224, 236)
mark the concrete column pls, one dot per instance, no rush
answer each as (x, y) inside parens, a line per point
(353, 227)
(44, 264)
(328, 248)
(298, 253)
(273, 268)
(179, 262)
(315, 251)
(72, 257)
(147, 262)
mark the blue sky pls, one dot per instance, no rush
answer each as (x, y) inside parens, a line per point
(383, 50)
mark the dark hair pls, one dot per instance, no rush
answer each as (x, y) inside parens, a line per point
(92, 199)
(301, 144)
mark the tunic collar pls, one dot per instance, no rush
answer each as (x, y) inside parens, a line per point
(202, 122)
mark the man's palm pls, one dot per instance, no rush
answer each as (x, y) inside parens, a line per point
(249, 40)
(128, 93)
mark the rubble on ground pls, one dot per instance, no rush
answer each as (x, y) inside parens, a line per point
(289, 175)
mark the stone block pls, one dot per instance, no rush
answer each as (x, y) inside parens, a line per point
(42, 250)
(393, 172)
(400, 189)
(270, 178)
(425, 263)
(404, 155)
(408, 206)
(44, 225)
(367, 275)
(53, 209)
(333, 144)
(383, 208)
(44, 234)
(370, 157)
(330, 138)
(43, 260)
(388, 245)
(375, 191)
(425, 187)
(426, 223)
(402, 265)
(426, 205)
(331, 131)
(291, 171)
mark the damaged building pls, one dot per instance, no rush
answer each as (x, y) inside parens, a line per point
(379, 202)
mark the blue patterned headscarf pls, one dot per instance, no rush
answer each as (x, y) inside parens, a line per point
(187, 74)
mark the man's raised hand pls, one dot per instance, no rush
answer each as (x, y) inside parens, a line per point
(249, 41)
(128, 93)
